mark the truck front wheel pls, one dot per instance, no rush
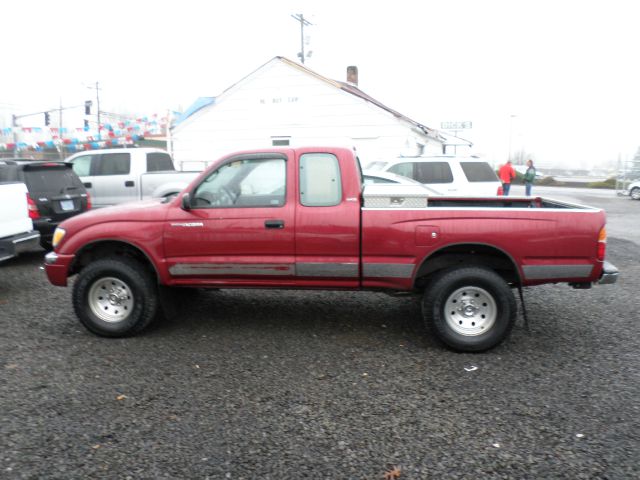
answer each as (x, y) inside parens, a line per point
(470, 309)
(115, 298)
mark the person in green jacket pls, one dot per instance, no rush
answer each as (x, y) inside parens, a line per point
(529, 177)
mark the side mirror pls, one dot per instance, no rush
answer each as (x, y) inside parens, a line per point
(186, 202)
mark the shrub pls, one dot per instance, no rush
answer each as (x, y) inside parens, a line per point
(549, 182)
(608, 183)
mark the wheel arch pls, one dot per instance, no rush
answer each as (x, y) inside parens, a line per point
(465, 254)
(117, 248)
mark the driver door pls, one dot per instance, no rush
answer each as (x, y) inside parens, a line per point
(240, 227)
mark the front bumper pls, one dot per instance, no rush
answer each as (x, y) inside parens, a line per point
(57, 268)
(609, 274)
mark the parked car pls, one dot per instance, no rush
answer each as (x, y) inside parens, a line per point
(55, 192)
(120, 175)
(633, 190)
(374, 177)
(446, 174)
(16, 228)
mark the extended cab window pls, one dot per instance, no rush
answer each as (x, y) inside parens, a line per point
(320, 182)
(158, 162)
(113, 164)
(244, 183)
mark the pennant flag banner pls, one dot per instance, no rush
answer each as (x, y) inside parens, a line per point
(84, 138)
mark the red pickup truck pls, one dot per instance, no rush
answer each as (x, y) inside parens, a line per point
(301, 218)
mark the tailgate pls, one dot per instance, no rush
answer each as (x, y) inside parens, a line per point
(14, 216)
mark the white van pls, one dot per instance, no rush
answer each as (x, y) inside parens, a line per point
(448, 175)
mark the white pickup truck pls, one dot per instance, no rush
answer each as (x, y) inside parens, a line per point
(16, 228)
(120, 175)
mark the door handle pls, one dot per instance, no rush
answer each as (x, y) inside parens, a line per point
(129, 183)
(274, 223)
(87, 185)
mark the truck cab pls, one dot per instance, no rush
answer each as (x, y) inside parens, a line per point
(306, 229)
(114, 176)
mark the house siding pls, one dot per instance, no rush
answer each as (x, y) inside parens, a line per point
(279, 100)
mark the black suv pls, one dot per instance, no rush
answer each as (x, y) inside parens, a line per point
(55, 192)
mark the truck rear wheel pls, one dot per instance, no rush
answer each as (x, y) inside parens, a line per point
(114, 298)
(470, 309)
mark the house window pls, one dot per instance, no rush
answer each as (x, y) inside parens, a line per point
(280, 141)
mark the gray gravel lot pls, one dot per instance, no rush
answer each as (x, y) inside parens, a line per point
(248, 384)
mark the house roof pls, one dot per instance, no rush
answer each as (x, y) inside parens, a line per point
(353, 90)
(199, 104)
(344, 86)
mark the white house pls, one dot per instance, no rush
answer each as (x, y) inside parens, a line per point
(284, 103)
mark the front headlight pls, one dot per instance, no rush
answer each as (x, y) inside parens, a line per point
(58, 235)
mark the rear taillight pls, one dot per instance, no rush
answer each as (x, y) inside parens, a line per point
(34, 214)
(88, 201)
(602, 244)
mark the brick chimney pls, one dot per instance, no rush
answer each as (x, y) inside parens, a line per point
(352, 75)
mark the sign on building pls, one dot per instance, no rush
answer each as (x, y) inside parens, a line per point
(463, 125)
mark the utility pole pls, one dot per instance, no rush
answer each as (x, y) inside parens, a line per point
(97, 89)
(14, 132)
(303, 22)
(61, 149)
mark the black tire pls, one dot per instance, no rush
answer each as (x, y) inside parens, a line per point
(469, 309)
(115, 297)
(635, 193)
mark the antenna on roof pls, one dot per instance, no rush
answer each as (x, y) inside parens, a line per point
(303, 23)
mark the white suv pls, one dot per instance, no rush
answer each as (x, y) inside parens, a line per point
(446, 174)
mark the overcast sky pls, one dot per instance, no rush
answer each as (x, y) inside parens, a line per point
(558, 79)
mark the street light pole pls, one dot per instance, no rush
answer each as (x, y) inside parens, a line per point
(511, 117)
(98, 107)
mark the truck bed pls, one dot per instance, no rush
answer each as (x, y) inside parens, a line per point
(547, 239)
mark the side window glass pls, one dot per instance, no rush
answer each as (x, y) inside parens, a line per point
(82, 165)
(157, 162)
(433, 172)
(244, 183)
(478, 172)
(320, 182)
(404, 169)
(114, 164)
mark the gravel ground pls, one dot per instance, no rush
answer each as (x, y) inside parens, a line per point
(285, 385)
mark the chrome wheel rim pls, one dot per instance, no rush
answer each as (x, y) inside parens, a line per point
(111, 300)
(635, 193)
(470, 311)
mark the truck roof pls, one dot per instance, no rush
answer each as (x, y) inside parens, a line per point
(119, 150)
